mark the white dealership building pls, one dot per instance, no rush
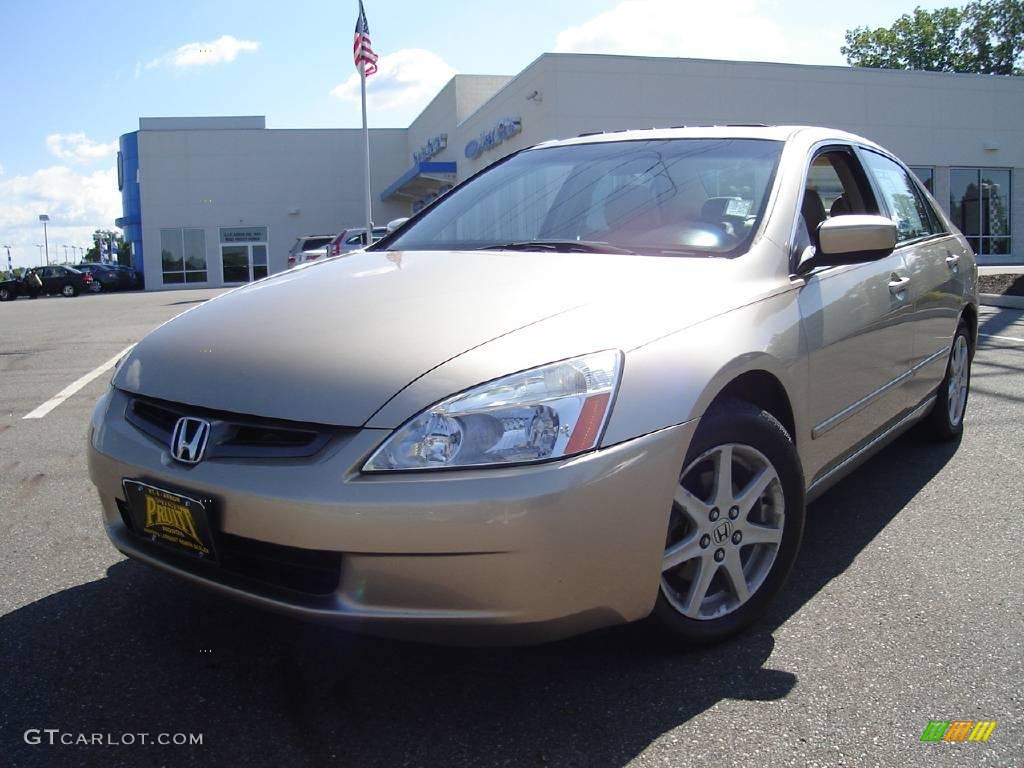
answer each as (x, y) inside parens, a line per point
(212, 201)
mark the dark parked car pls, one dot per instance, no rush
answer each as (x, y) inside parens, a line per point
(129, 274)
(12, 289)
(66, 281)
(104, 277)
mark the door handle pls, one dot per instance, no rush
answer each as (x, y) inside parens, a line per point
(898, 285)
(952, 260)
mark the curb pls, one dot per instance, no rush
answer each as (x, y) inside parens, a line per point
(998, 300)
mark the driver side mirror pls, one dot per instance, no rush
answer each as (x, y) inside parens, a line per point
(851, 239)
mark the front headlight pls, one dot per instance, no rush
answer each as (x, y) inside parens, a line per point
(548, 412)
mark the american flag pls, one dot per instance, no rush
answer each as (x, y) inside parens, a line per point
(362, 50)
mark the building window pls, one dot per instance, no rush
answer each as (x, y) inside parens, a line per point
(183, 256)
(926, 175)
(979, 204)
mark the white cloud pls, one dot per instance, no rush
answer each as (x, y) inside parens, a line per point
(78, 148)
(741, 29)
(77, 204)
(409, 77)
(224, 49)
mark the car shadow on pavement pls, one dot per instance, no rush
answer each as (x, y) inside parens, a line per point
(1000, 319)
(139, 652)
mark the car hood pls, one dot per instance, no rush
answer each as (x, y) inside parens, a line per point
(333, 341)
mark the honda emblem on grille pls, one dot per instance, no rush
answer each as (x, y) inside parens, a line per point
(189, 439)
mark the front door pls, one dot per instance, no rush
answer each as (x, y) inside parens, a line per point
(856, 322)
(243, 263)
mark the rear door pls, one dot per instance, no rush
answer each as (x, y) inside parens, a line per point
(856, 321)
(53, 279)
(932, 255)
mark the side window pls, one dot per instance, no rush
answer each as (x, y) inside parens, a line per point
(902, 198)
(355, 240)
(835, 186)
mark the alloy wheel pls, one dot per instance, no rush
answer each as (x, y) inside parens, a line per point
(959, 368)
(725, 531)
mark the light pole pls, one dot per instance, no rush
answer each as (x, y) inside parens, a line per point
(46, 243)
(10, 264)
(65, 254)
(40, 247)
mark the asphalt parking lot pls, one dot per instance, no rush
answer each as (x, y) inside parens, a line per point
(905, 606)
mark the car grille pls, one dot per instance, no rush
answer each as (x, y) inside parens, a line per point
(308, 571)
(233, 435)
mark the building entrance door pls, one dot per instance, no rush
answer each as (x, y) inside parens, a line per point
(243, 263)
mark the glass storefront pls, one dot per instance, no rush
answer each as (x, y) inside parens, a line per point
(926, 175)
(979, 204)
(183, 256)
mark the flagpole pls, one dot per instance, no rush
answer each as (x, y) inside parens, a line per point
(366, 158)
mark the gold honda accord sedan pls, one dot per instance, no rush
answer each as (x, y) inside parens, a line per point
(596, 382)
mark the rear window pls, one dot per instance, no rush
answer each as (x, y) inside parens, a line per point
(316, 242)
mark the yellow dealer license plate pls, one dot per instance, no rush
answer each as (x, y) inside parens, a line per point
(166, 517)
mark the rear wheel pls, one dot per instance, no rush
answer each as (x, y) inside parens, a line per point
(946, 420)
(735, 525)
(69, 290)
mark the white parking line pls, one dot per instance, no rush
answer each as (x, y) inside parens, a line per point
(76, 385)
(1004, 338)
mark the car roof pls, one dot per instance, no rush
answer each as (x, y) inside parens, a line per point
(807, 133)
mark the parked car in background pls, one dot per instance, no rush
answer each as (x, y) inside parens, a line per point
(104, 277)
(352, 239)
(130, 275)
(598, 381)
(308, 248)
(14, 287)
(66, 281)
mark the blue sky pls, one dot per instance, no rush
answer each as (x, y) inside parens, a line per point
(77, 75)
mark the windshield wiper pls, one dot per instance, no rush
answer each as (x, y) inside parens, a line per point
(561, 246)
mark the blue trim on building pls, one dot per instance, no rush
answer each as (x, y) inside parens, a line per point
(418, 169)
(131, 201)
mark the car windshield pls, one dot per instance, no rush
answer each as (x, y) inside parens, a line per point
(659, 197)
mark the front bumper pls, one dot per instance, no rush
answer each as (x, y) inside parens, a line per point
(518, 554)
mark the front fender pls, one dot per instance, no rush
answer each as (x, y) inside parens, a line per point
(675, 379)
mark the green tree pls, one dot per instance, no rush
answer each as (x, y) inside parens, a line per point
(93, 253)
(986, 36)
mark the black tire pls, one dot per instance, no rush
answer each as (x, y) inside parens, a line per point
(5, 294)
(741, 423)
(96, 286)
(69, 290)
(939, 424)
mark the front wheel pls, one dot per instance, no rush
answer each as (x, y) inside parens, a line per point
(5, 294)
(946, 420)
(735, 526)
